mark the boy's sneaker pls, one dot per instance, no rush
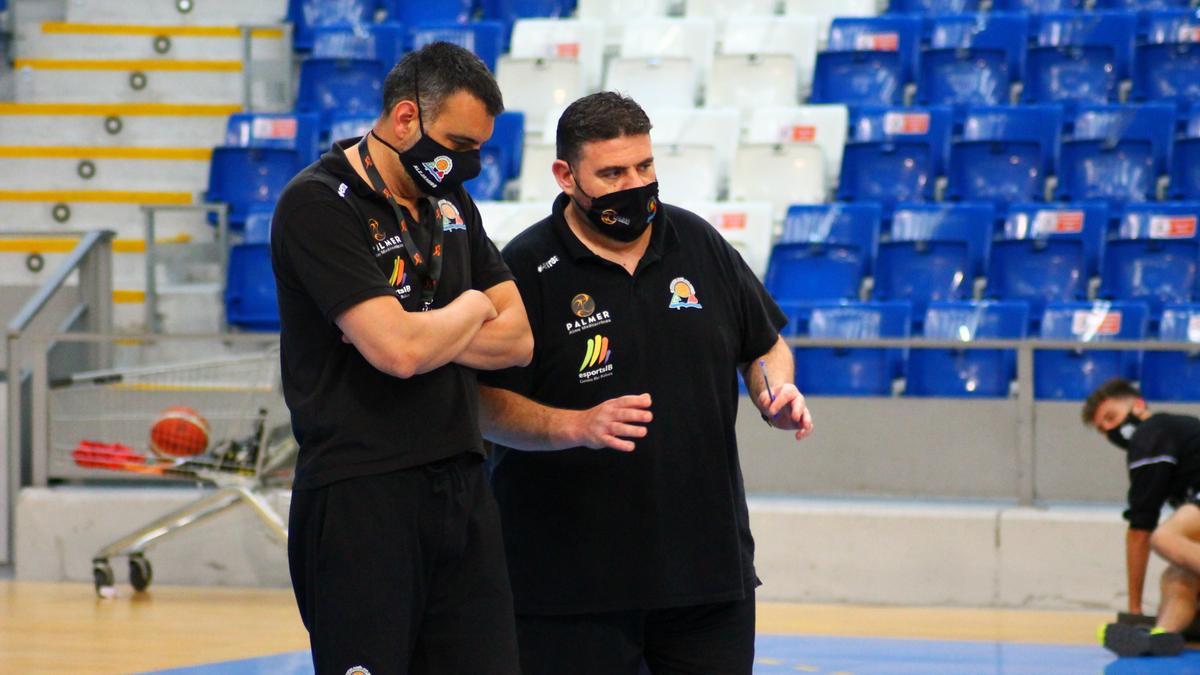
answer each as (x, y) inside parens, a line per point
(1126, 640)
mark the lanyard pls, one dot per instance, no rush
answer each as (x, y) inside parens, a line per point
(427, 271)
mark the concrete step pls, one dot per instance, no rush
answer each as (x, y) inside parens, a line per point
(62, 40)
(114, 125)
(104, 168)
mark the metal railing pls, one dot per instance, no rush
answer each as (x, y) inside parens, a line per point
(216, 251)
(90, 263)
(256, 71)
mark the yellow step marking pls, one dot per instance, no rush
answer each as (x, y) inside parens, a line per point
(58, 27)
(121, 109)
(130, 64)
(129, 296)
(67, 244)
(94, 152)
(103, 196)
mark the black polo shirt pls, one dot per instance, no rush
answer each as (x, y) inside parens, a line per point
(666, 525)
(335, 243)
(1164, 467)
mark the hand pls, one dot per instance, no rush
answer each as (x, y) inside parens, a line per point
(479, 301)
(609, 424)
(788, 411)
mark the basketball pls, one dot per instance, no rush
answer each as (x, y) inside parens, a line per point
(179, 431)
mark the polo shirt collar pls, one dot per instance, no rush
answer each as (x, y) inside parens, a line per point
(662, 233)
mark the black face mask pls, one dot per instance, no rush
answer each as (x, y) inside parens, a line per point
(436, 169)
(623, 215)
(1121, 434)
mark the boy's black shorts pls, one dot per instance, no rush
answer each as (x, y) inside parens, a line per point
(404, 573)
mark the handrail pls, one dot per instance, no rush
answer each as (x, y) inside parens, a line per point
(32, 307)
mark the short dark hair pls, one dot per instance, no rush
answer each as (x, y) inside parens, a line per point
(440, 69)
(1117, 387)
(598, 117)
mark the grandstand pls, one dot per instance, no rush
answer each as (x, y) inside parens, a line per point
(1013, 183)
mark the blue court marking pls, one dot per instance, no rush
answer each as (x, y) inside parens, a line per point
(794, 654)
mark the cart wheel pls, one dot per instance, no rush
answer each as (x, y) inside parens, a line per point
(102, 574)
(140, 572)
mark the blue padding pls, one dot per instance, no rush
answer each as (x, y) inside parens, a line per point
(1175, 376)
(972, 59)
(867, 60)
(485, 39)
(250, 301)
(967, 373)
(846, 371)
(895, 154)
(803, 272)
(344, 86)
(1005, 153)
(1079, 56)
(1083, 221)
(839, 223)
(1074, 374)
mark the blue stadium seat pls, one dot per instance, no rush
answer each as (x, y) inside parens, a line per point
(1005, 154)
(967, 222)
(344, 86)
(258, 224)
(1141, 5)
(1155, 256)
(306, 15)
(250, 301)
(1079, 56)
(384, 42)
(867, 61)
(972, 59)
(500, 157)
(1073, 374)
(801, 272)
(1036, 6)
(343, 126)
(847, 371)
(262, 153)
(967, 373)
(1185, 159)
(933, 6)
(1175, 376)
(485, 39)
(411, 13)
(508, 11)
(1083, 221)
(1167, 64)
(895, 154)
(850, 224)
(1117, 153)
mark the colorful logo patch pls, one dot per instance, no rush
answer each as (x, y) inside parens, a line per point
(451, 218)
(375, 233)
(683, 295)
(596, 359)
(439, 167)
(583, 305)
(398, 277)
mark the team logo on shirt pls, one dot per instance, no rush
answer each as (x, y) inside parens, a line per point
(583, 305)
(451, 218)
(683, 295)
(399, 279)
(596, 359)
(439, 167)
(358, 670)
(375, 233)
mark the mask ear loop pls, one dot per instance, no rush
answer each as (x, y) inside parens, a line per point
(417, 91)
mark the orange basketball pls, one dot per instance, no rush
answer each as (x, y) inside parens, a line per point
(179, 431)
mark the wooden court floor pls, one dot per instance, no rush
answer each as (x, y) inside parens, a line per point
(65, 628)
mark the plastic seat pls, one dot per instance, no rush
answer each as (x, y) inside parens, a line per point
(1167, 64)
(412, 13)
(340, 85)
(263, 152)
(933, 6)
(504, 220)
(967, 373)
(382, 42)
(848, 224)
(1079, 57)
(350, 126)
(763, 61)
(850, 371)
(1141, 5)
(539, 87)
(822, 125)
(663, 61)
(1074, 374)
(290, 131)
(1036, 6)
(1154, 257)
(1084, 221)
(511, 12)
(654, 82)
(747, 226)
(826, 12)
(485, 39)
(782, 174)
(800, 272)
(684, 128)
(305, 15)
(1185, 160)
(500, 157)
(579, 40)
(724, 10)
(250, 301)
(1116, 153)
(1175, 376)
(258, 224)
(867, 61)
(968, 222)
(1005, 154)
(894, 154)
(972, 59)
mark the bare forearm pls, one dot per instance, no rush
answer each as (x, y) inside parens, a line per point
(440, 336)
(1137, 557)
(503, 342)
(779, 365)
(518, 422)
